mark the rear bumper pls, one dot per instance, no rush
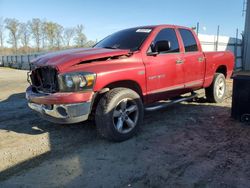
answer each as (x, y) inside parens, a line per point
(64, 108)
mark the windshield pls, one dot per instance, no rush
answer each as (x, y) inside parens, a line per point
(131, 39)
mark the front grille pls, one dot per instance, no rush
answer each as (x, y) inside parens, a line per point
(44, 79)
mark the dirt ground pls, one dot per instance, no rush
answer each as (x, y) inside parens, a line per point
(193, 144)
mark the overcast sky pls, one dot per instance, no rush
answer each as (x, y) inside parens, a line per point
(101, 18)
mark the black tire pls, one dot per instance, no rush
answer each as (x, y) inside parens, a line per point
(114, 107)
(216, 92)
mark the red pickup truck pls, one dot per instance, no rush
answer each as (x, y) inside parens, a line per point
(124, 74)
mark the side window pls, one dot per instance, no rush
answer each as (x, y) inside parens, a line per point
(188, 40)
(168, 35)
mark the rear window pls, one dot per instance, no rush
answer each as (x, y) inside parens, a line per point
(189, 41)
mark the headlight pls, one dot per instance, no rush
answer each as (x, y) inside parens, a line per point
(77, 81)
(68, 81)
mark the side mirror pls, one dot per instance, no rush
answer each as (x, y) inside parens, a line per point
(160, 46)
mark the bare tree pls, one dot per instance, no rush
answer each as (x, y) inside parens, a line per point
(44, 35)
(90, 43)
(24, 35)
(68, 35)
(1, 31)
(38, 34)
(36, 25)
(12, 25)
(58, 35)
(50, 30)
(80, 38)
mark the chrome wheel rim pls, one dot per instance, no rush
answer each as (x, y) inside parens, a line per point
(125, 115)
(220, 88)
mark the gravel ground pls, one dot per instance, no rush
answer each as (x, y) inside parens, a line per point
(194, 144)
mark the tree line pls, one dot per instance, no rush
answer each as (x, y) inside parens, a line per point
(38, 35)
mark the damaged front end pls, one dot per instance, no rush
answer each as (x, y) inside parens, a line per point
(46, 97)
(44, 79)
(61, 93)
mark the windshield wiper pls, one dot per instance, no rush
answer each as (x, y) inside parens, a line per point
(110, 47)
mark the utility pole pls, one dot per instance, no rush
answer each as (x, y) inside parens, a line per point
(246, 53)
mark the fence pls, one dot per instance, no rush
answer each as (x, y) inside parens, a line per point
(208, 42)
(18, 61)
(223, 43)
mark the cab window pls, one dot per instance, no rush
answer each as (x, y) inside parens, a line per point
(189, 41)
(167, 35)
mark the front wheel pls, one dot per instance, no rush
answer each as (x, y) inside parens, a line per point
(217, 91)
(119, 114)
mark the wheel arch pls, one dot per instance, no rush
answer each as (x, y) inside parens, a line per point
(130, 84)
(222, 69)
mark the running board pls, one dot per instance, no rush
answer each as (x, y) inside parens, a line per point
(166, 104)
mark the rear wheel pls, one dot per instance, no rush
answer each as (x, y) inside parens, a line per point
(119, 114)
(217, 91)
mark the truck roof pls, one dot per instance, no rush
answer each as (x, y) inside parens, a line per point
(160, 26)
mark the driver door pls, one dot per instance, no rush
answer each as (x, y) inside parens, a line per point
(164, 71)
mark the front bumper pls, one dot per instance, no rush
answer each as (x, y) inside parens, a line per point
(63, 113)
(64, 108)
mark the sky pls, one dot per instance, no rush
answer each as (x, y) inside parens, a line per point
(103, 17)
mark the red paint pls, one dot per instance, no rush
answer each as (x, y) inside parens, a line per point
(65, 59)
(159, 77)
(58, 98)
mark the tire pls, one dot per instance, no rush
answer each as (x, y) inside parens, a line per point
(216, 92)
(119, 114)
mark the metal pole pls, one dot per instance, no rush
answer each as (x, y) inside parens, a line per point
(28, 58)
(244, 6)
(246, 55)
(236, 44)
(217, 40)
(1, 62)
(197, 28)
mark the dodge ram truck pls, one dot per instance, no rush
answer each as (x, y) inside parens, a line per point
(126, 73)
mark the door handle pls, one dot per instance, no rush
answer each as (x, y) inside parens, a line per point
(200, 59)
(179, 61)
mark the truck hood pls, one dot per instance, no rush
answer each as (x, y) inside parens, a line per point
(67, 58)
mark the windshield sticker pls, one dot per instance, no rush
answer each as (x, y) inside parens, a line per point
(143, 30)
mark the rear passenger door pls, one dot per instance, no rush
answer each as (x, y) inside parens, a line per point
(193, 60)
